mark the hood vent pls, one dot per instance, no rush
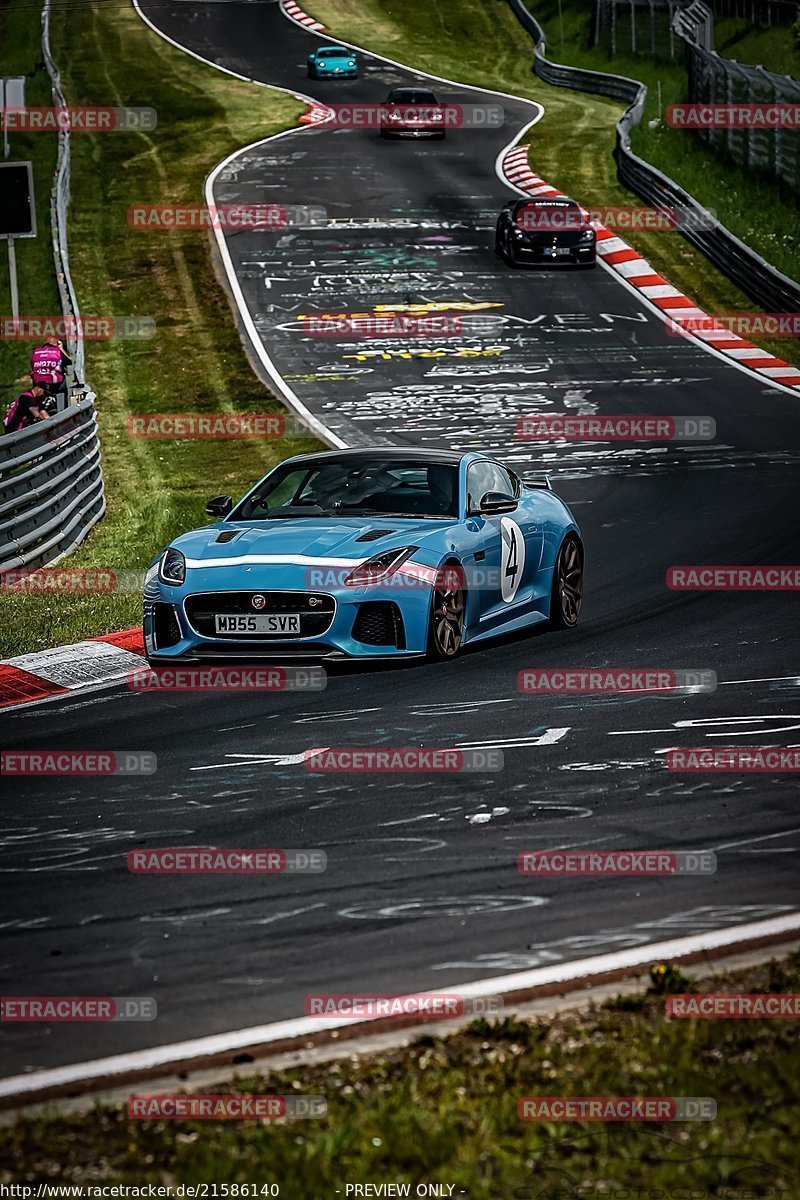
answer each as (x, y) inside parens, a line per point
(372, 535)
(227, 535)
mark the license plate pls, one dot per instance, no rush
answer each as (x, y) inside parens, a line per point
(561, 251)
(267, 623)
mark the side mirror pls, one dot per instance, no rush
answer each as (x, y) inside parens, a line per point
(220, 506)
(494, 503)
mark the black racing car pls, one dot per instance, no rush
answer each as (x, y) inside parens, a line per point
(412, 112)
(545, 231)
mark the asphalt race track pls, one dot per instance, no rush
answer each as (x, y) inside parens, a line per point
(421, 889)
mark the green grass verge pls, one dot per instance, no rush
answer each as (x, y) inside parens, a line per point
(195, 362)
(772, 46)
(481, 42)
(445, 1110)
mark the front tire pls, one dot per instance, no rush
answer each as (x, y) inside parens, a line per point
(507, 251)
(448, 614)
(566, 597)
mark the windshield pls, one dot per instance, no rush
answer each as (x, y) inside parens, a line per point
(354, 488)
(333, 54)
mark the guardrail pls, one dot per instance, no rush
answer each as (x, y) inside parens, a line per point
(757, 278)
(51, 487)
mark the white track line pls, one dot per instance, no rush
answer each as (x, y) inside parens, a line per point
(113, 1070)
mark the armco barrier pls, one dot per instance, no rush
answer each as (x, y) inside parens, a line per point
(757, 278)
(51, 487)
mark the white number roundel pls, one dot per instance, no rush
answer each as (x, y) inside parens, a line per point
(512, 558)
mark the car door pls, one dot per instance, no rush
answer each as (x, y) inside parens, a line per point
(511, 542)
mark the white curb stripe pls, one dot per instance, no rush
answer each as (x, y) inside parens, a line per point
(163, 1057)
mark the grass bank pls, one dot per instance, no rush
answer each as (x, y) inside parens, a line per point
(195, 362)
(481, 42)
(445, 1111)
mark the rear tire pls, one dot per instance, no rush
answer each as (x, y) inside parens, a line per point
(566, 596)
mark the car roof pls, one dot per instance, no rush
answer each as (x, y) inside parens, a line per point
(409, 91)
(341, 49)
(547, 202)
(402, 453)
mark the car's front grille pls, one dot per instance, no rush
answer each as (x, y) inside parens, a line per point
(316, 612)
(379, 623)
(564, 237)
(166, 630)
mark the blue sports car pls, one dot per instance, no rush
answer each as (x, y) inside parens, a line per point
(377, 553)
(332, 62)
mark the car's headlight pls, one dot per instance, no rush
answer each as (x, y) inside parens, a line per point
(379, 567)
(172, 568)
(352, 64)
(588, 235)
(520, 233)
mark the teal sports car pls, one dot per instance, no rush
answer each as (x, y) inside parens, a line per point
(332, 62)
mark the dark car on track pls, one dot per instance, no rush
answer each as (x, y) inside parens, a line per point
(412, 112)
(552, 230)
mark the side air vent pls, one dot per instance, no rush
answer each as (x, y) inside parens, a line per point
(227, 535)
(372, 535)
(379, 623)
(165, 626)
